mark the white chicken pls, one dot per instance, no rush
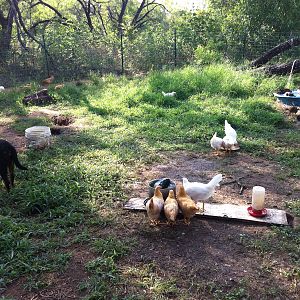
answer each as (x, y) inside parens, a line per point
(230, 133)
(201, 191)
(230, 138)
(172, 94)
(216, 142)
(2, 88)
(228, 143)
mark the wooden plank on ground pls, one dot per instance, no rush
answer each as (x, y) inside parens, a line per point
(225, 211)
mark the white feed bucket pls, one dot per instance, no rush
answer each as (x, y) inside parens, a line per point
(37, 137)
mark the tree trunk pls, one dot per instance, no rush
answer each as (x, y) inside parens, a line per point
(283, 68)
(275, 51)
(5, 34)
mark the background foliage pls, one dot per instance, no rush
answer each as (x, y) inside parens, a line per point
(236, 31)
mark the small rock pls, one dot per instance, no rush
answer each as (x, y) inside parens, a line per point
(296, 223)
(293, 109)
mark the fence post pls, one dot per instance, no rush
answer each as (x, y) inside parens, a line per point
(175, 47)
(45, 53)
(122, 53)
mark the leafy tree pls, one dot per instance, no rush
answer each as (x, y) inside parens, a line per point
(198, 28)
(247, 24)
(13, 17)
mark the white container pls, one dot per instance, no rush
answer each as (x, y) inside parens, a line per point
(37, 137)
(258, 197)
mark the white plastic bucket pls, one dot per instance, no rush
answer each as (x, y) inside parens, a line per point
(37, 137)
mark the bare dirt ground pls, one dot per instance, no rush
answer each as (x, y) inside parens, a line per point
(210, 251)
(204, 260)
(17, 140)
(239, 167)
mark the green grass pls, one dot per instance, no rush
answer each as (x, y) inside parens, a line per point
(148, 278)
(71, 185)
(104, 271)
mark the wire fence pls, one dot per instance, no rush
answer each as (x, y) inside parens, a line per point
(152, 51)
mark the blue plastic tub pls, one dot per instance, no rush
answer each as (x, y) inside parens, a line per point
(289, 100)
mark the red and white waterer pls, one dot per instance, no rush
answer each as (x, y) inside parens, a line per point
(257, 208)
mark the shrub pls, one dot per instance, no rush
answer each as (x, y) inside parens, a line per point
(205, 55)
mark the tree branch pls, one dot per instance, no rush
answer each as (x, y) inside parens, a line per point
(41, 2)
(19, 34)
(111, 15)
(138, 12)
(22, 24)
(87, 11)
(101, 19)
(41, 22)
(138, 18)
(145, 15)
(140, 24)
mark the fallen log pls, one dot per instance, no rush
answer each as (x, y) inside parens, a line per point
(280, 48)
(39, 98)
(283, 69)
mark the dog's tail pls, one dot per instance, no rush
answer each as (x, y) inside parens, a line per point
(16, 161)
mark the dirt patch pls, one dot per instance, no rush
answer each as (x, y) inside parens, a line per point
(16, 139)
(60, 286)
(209, 256)
(238, 169)
(61, 120)
(55, 130)
(54, 115)
(19, 141)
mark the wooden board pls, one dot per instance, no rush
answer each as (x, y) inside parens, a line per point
(225, 211)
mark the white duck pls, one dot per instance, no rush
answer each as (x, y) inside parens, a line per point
(201, 191)
(2, 88)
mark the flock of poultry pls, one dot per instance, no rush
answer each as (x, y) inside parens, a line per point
(186, 199)
(46, 82)
(189, 194)
(228, 142)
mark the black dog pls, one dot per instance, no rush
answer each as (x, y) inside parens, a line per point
(8, 158)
